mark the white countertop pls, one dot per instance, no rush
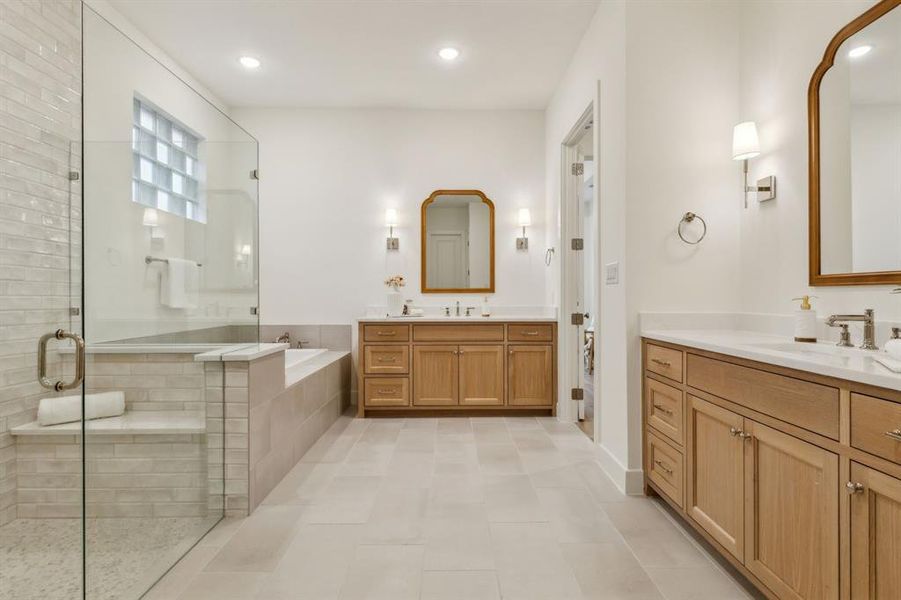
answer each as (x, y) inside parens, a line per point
(306, 368)
(823, 358)
(473, 319)
(241, 352)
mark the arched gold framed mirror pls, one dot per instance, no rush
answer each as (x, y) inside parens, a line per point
(854, 117)
(457, 243)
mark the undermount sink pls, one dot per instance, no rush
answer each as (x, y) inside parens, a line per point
(804, 348)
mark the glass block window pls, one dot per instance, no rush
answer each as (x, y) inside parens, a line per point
(167, 172)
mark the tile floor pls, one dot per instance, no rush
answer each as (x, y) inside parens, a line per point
(449, 509)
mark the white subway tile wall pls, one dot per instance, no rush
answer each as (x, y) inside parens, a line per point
(40, 208)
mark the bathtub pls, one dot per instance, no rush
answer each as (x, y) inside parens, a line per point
(296, 357)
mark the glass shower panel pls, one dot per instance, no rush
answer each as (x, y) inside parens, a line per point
(170, 280)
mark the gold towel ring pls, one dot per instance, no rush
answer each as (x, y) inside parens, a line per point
(688, 218)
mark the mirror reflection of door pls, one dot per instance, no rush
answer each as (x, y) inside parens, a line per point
(457, 242)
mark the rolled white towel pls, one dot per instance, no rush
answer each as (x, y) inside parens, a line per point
(67, 409)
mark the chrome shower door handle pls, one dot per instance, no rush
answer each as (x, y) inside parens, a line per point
(59, 386)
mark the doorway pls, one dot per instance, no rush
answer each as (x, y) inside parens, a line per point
(580, 234)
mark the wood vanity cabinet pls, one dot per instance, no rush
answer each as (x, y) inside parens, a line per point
(458, 367)
(793, 477)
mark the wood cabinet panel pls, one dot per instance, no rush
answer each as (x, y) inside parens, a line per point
(435, 375)
(481, 375)
(665, 361)
(664, 408)
(715, 486)
(665, 468)
(530, 379)
(386, 360)
(875, 535)
(876, 426)
(791, 515)
(386, 333)
(521, 332)
(458, 333)
(386, 391)
(808, 405)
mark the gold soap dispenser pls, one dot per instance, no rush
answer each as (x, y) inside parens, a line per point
(805, 321)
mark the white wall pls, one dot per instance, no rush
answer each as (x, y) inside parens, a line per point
(777, 59)
(328, 176)
(668, 90)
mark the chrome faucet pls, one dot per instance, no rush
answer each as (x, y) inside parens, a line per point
(869, 328)
(284, 338)
(458, 308)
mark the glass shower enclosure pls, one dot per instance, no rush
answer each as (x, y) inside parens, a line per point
(117, 444)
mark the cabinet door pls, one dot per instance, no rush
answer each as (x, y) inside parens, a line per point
(875, 535)
(791, 515)
(481, 375)
(530, 376)
(716, 487)
(435, 376)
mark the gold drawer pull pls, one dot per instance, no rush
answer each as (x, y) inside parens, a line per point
(895, 434)
(386, 333)
(662, 363)
(385, 391)
(530, 333)
(664, 467)
(663, 409)
(383, 359)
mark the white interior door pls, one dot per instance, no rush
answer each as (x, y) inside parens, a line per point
(448, 264)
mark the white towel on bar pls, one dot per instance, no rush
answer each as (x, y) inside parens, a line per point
(180, 283)
(67, 409)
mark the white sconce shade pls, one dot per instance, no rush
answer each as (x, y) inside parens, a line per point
(745, 143)
(151, 217)
(525, 217)
(391, 217)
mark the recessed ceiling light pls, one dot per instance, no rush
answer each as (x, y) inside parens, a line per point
(859, 51)
(449, 53)
(249, 62)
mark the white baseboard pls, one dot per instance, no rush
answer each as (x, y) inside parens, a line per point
(629, 481)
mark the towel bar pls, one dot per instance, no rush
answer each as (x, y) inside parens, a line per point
(153, 259)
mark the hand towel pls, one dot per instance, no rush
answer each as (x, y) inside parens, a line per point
(67, 409)
(180, 283)
(889, 363)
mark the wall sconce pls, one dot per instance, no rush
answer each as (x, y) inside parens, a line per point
(391, 223)
(151, 220)
(745, 146)
(244, 254)
(525, 220)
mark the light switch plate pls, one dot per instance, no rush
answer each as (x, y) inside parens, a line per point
(612, 273)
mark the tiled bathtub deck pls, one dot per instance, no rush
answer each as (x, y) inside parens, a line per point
(451, 509)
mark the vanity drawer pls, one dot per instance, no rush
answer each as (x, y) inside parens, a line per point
(809, 405)
(664, 408)
(386, 360)
(523, 332)
(386, 391)
(458, 333)
(664, 361)
(665, 468)
(876, 426)
(386, 333)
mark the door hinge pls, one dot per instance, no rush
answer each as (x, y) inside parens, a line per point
(577, 318)
(577, 394)
(254, 310)
(74, 175)
(578, 244)
(74, 311)
(578, 169)
(255, 174)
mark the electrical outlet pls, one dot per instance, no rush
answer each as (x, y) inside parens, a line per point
(612, 273)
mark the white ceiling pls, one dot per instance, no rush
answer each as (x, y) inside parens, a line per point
(372, 53)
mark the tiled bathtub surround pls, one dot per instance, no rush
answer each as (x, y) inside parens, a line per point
(40, 219)
(269, 426)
